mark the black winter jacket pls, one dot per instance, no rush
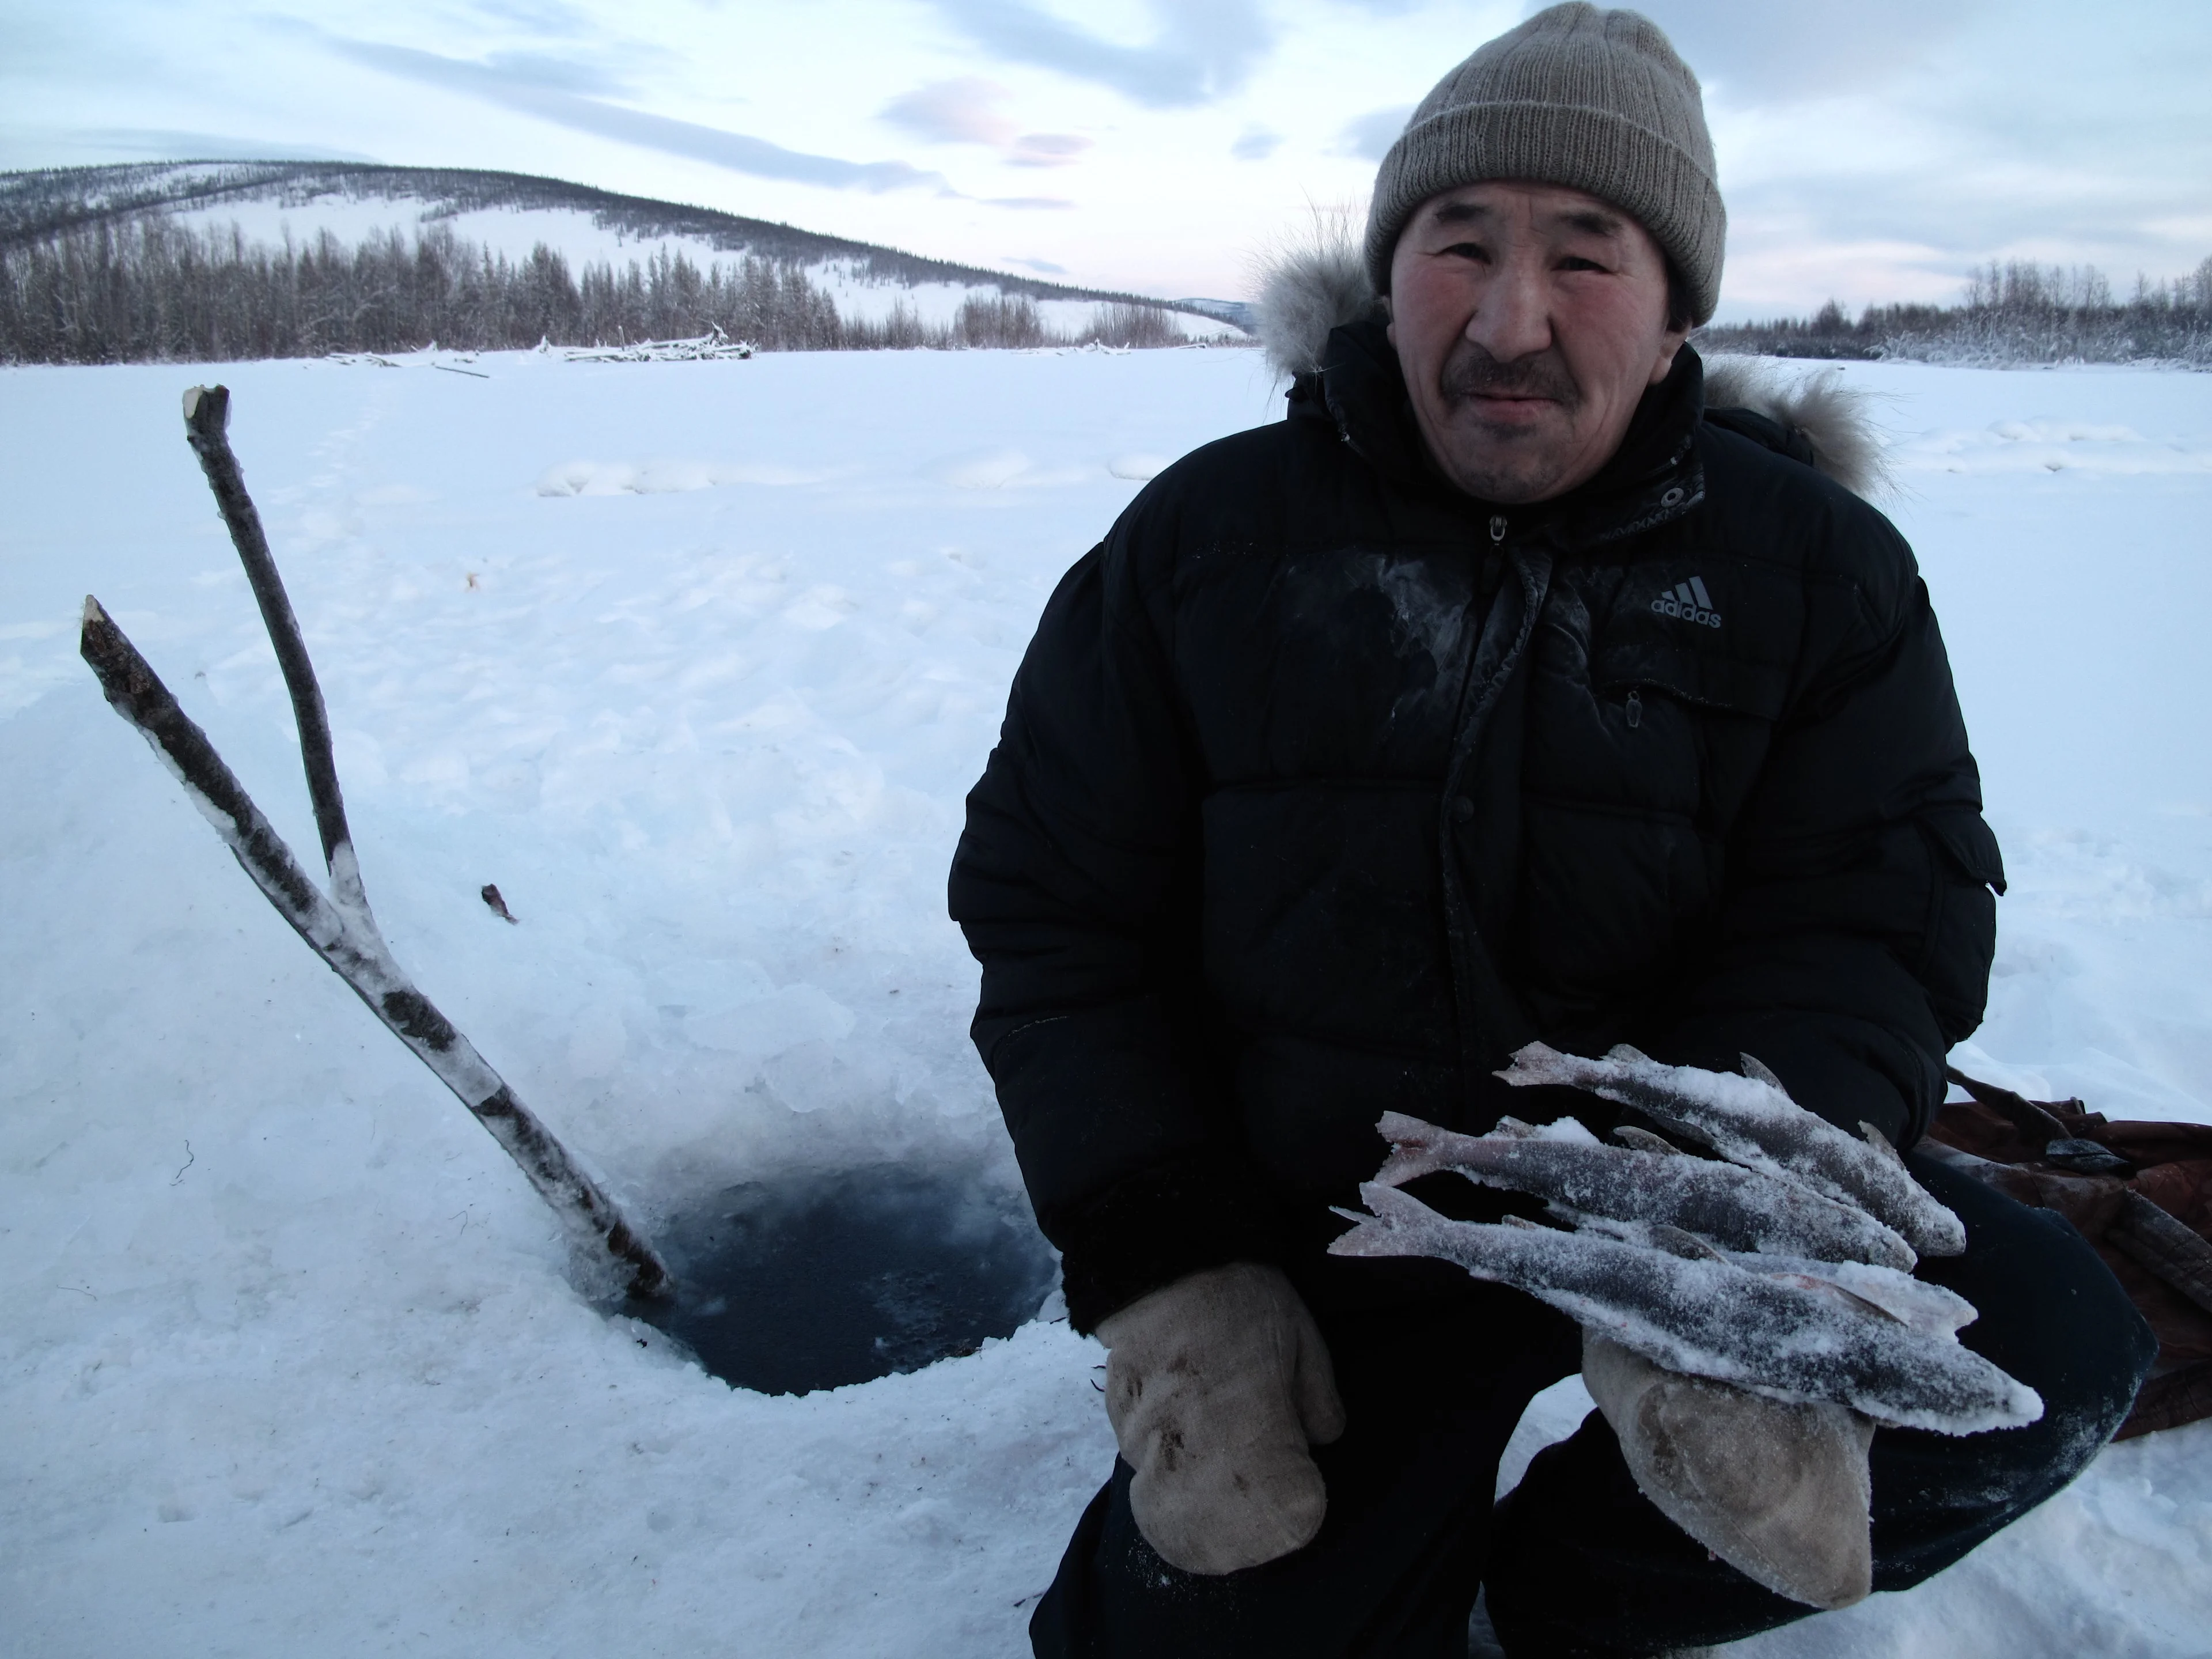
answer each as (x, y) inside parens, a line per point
(1323, 786)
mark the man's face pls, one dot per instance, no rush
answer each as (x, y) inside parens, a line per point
(1528, 319)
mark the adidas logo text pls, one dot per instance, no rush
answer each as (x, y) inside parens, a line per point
(1689, 602)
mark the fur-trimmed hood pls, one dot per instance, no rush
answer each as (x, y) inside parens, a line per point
(1307, 292)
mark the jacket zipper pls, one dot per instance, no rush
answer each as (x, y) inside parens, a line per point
(1488, 1015)
(1635, 707)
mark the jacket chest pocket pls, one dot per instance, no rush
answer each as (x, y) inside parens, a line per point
(1712, 633)
(1684, 666)
(1652, 710)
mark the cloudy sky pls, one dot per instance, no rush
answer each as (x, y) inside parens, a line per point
(1869, 150)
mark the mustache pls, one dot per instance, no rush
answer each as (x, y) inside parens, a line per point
(1472, 372)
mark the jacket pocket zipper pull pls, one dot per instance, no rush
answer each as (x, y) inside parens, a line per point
(1635, 708)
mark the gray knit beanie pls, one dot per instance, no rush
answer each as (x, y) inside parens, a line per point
(1595, 100)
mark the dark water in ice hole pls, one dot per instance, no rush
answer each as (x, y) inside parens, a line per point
(813, 1281)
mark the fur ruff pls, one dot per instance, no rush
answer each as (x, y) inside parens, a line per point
(1835, 418)
(1307, 291)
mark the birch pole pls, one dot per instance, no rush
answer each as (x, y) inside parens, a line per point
(338, 927)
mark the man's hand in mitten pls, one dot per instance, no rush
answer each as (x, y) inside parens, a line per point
(1215, 1386)
(1778, 1492)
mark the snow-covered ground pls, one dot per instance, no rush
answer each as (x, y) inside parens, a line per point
(696, 661)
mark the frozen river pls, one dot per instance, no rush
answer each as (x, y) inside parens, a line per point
(696, 662)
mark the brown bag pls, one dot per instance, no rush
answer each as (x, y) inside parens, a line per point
(2140, 1192)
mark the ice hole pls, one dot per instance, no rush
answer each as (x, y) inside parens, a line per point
(816, 1280)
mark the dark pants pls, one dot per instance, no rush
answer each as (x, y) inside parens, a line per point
(1577, 1562)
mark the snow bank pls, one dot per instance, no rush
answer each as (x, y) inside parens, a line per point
(291, 1365)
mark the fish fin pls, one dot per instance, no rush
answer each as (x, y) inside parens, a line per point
(1623, 1232)
(1687, 1245)
(1850, 1298)
(1407, 1163)
(1401, 1224)
(1536, 1063)
(1414, 1150)
(1643, 1140)
(1758, 1071)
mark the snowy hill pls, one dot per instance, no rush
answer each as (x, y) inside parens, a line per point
(511, 215)
(696, 661)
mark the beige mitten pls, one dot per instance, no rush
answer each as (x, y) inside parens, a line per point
(1215, 1385)
(1778, 1492)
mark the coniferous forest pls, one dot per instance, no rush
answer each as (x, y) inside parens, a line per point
(150, 291)
(2017, 313)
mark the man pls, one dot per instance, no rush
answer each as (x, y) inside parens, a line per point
(1501, 692)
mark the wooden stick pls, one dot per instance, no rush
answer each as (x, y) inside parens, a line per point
(2166, 1245)
(207, 422)
(2169, 1402)
(2032, 1118)
(357, 954)
(340, 928)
